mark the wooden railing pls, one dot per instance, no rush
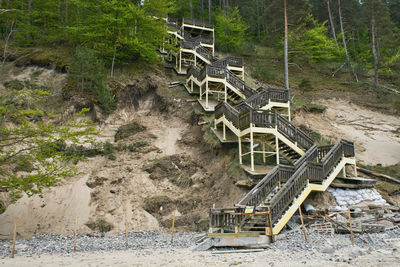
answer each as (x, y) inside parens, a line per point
(294, 180)
(229, 61)
(310, 171)
(267, 119)
(204, 53)
(197, 22)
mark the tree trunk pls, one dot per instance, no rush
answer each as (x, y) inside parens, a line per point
(6, 45)
(209, 11)
(331, 22)
(30, 6)
(344, 41)
(342, 31)
(113, 61)
(258, 21)
(191, 9)
(202, 10)
(286, 48)
(66, 12)
(374, 53)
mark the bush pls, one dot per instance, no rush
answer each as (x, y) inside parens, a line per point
(306, 85)
(153, 204)
(261, 72)
(128, 130)
(100, 225)
(88, 73)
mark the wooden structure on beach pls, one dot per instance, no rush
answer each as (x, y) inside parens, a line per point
(258, 120)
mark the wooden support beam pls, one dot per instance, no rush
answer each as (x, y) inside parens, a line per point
(206, 93)
(240, 149)
(277, 149)
(251, 149)
(379, 175)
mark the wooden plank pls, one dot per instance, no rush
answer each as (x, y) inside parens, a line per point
(380, 175)
(238, 251)
(256, 234)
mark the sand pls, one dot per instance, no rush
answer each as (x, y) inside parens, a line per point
(375, 134)
(186, 257)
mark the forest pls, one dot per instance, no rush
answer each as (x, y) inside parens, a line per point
(332, 44)
(362, 36)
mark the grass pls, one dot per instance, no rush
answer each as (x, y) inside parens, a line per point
(384, 185)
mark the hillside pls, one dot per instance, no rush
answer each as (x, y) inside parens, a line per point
(180, 166)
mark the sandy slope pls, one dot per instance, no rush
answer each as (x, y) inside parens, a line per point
(374, 133)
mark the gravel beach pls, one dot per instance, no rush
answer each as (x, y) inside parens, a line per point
(151, 248)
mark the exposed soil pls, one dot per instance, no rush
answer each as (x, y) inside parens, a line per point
(175, 163)
(375, 135)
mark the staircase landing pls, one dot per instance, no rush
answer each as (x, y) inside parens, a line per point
(211, 105)
(259, 170)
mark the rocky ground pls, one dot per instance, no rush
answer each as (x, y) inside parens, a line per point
(153, 248)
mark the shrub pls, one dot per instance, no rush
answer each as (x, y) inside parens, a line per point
(128, 130)
(88, 73)
(100, 225)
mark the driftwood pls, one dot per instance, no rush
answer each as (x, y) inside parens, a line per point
(379, 175)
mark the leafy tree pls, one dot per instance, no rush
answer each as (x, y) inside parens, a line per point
(378, 18)
(31, 146)
(88, 74)
(315, 44)
(230, 30)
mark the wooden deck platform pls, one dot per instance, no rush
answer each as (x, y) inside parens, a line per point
(211, 105)
(259, 170)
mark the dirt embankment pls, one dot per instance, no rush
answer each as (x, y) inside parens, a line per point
(376, 135)
(167, 168)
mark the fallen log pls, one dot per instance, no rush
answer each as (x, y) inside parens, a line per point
(379, 175)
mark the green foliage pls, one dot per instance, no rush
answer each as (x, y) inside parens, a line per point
(314, 45)
(88, 73)
(306, 85)
(230, 29)
(263, 73)
(31, 146)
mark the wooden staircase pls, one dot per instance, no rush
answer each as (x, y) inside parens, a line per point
(280, 193)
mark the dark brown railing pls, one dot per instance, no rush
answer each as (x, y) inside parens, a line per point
(294, 180)
(197, 22)
(310, 171)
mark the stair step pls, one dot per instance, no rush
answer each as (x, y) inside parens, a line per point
(253, 227)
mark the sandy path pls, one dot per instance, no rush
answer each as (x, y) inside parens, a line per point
(186, 257)
(374, 133)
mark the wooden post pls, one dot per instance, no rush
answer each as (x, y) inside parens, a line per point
(264, 158)
(126, 229)
(271, 231)
(206, 93)
(277, 149)
(351, 226)
(251, 150)
(173, 227)
(302, 224)
(14, 239)
(75, 226)
(240, 149)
